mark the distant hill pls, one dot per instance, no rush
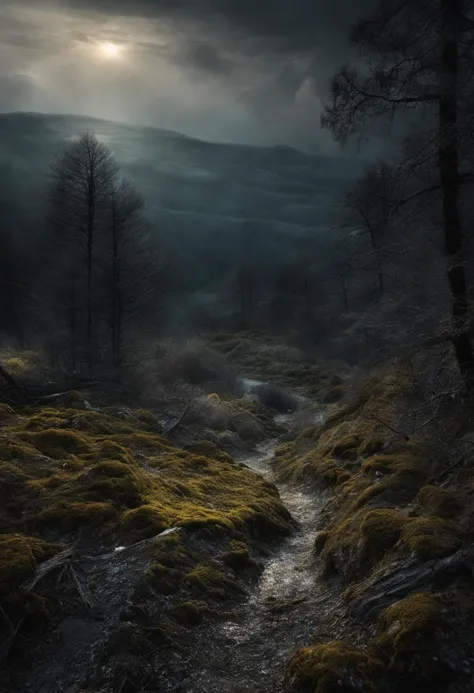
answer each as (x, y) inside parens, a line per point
(199, 195)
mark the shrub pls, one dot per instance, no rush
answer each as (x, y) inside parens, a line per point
(196, 364)
(277, 398)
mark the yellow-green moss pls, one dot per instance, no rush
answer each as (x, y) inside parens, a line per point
(19, 557)
(431, 537)
(310, 467)
(70, 515)
(164, 579)
(346, 443)
(330, 452)
(332, 668)
(6, 412)
(440, 502)
(144, 522)
(396, 489)
(57, 443)
(410, 624)
(210, 581)
(136, 484)
(354, 546)
(209, 449)
(71, 400)
(22, 362)
(189, 613)
(238, 556)
(392, 463)
(380, 531)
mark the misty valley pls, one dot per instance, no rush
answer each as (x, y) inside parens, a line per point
(236, 362)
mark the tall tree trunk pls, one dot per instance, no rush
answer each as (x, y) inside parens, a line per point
(450, 183)
(90, 247)
(115, 293)
(119, 327)
(378, 260)
(72, 323)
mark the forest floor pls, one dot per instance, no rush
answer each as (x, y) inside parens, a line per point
(276, 535)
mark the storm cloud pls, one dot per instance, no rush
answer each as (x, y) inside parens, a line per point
(225, 70)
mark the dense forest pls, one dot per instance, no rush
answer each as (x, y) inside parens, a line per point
(236, 391)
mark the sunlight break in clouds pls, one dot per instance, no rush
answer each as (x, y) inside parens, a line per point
(141, 62)
(112, 51)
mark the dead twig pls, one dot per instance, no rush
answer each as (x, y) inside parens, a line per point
(174, 425)
(60, 560)
(6, 645)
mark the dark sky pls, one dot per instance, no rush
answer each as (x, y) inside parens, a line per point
(231, 70)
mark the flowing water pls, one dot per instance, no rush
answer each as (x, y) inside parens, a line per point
(289, 608)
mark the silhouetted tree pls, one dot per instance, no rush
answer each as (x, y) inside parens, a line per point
(366, 216)
(84, 178)
(133, 268)
(419, 56)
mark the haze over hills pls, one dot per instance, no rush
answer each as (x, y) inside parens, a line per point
(213, 208)
(192, 188)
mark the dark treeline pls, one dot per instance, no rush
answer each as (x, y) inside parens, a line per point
(86, 277)
(90, 276)
(405, 227)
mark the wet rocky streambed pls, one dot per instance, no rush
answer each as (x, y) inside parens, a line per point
(289, 607)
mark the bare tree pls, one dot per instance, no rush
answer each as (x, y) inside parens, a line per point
(342, 271)
(84, 178)
(12, 287)
(134, 271)
(419, 58)
(366, 216)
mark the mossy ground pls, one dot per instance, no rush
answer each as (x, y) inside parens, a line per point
(93, 479)
(333, 668)
(273, 360)
(386, 509)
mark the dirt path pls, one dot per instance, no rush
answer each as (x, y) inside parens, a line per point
(289, 608)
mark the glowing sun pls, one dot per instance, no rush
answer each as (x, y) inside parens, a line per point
(110, 50)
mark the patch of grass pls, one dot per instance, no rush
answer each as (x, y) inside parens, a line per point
(332, 668)
(57, 443)
(103, 479)
(395, 490)
(238, 556)
(190, 613)
(440, 502)
(413, 637)
(354, 546)
(68, 515)
(6, 412)
(196, 364)
(212, 582)
(410, 623)
(431, 537)
(19, 557)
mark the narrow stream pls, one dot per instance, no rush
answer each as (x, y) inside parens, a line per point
(289, 608)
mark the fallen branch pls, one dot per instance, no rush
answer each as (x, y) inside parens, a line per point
(57, 561)
(174, 425)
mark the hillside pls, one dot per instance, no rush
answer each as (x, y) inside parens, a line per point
(204, 200)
